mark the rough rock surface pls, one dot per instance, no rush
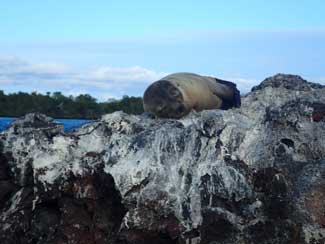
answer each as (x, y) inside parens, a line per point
(249, 175)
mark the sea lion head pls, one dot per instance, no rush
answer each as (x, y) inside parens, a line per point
(165, 100)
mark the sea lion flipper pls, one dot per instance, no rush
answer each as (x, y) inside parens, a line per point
(232, 100)
(237, 101)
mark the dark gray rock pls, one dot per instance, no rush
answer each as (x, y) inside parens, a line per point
(291, 82)
(249, 175)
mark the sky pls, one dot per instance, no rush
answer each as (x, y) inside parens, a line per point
(113, 48)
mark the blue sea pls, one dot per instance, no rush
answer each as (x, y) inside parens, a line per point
(69, 124)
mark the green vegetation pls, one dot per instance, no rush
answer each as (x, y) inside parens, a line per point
(57, 105)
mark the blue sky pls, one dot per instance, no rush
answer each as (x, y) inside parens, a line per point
(112, 48)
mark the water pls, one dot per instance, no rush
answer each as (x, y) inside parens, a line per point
(69, 124)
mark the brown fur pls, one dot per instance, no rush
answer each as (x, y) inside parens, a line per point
(176, 95)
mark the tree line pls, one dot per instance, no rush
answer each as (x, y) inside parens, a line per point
(57, 105)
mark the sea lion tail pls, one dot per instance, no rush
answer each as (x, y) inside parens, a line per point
(235, 101)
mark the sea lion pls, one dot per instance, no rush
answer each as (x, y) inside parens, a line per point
(177, 94)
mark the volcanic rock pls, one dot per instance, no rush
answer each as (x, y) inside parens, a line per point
(250, 175)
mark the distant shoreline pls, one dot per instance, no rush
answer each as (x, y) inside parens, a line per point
(57, 105)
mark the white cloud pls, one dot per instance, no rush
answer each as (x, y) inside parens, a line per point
(134, 74)
(101, 82)
(17, 70)
(320, 81)
(47, 69)
(9, 64)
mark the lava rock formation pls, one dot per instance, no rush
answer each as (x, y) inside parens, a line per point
(250, 175)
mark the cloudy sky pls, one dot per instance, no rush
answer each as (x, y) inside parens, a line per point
(115, 48)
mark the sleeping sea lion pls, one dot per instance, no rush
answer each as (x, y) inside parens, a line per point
(178, 94)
